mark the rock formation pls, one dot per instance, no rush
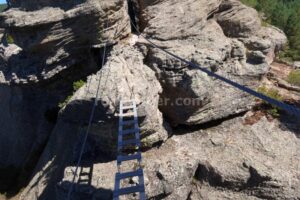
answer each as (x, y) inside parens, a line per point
(248, 162)
(48, 49)
(188, 153)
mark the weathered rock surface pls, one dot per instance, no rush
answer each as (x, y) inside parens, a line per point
(1, 33)
(48, 49)
(124, 76)
(233, 160)
(54, 40)
(169, 20)
(296, 65)
(242, 22)
(238, 20)
(208, 46)
(58, 42)
(25, 124)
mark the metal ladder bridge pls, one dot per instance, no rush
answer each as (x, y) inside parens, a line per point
(129, 145)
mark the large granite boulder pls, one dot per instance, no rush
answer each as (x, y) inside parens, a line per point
(169, 20)
(232, 160)
(238, 20)
(244, 23)
(54, 43)
(54, 40)
(190, 96)
(226, 37)
(123, 77)
(43, 52)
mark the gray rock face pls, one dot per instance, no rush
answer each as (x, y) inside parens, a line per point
(276, 37)
(242, 22)
(123, 77)
(57, 40)
(233, 161)
(169, 20)
(238, 20)
(1, 33)
(190, 96)
(54, 40)
(35, 4)
(25, 124)
(296, 65)
(49, 49)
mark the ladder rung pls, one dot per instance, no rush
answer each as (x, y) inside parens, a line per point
(120, 176)
(129, 131)
(83, 181)
(129, 190)
(128, 122)
(127, 101)
(130, 142)
(129, 114)
(128, 107)
(136, 156)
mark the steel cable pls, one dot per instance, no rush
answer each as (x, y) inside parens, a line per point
(290, 109)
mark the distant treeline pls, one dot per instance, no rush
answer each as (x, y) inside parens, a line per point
(284, 14)
(2, 7)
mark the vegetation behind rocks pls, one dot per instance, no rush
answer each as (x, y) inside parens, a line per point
(2, 7)
(286, 16)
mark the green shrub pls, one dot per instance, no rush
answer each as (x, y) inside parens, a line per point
(76, 86)
(294, 77)
(274, 94)
(10, 39)
(285, 56)
(274, 112)
(2, 7)
(284, 14)
(265, 23)
(251, 3)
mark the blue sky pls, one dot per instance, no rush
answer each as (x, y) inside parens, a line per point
(2, 1)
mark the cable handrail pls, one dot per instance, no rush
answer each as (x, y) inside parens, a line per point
(289, 108)
(88, 128)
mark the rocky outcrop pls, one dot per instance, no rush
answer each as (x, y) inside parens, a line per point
(202, 98)
(1, 33)
(44, 52)
(54, 40)
(296, 65)
(27, 119)
(244, 23)
(54, 43)
(180, 21)
(238, 20)
(124, 76)
(233, 161)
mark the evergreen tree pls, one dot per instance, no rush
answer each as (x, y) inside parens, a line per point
(279, 15)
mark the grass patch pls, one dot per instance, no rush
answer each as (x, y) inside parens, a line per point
(265, 23)
(251, 3)
(274, 94)
(285, 57)
(288, 54)
(10, 39)
(294, 77)
(76, 86)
